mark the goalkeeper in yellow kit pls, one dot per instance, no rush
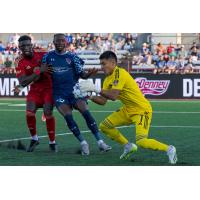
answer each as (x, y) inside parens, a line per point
(136, 109)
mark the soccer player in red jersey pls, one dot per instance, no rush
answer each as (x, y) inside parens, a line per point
(29, 70)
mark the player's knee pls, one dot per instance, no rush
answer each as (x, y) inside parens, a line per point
(48, 114)
(30, 113)
(87, 115)
(48, 111)
(104, 126)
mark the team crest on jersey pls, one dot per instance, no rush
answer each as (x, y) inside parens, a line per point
(28, 67)
(115, 82)
(68, 61)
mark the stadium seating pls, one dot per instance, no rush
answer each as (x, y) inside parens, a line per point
(142, 68)
(91, 58)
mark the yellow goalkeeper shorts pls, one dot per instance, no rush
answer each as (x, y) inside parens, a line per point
(142, 121)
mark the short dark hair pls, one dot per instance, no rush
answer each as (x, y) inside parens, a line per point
(108, 55)
(58, 34)
(24, 37)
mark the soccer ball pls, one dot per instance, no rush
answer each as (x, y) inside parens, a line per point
(79, 94)
(86, 94)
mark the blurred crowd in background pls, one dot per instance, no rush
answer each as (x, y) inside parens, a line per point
(171, 58)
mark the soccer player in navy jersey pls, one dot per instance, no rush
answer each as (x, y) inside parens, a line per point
(67, 68)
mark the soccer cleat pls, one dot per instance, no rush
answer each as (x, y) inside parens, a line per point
(53, 147)
(128, 150)
(32, 145)
(85, 149)
(171, 152)
(104, 147)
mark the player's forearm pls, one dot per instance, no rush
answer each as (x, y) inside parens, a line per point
(26, 80)
(88, 73)
(98, 100)
(84, 76)
(110, 94)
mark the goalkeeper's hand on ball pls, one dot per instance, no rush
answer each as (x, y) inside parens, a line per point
(80, 94)
(88, 86)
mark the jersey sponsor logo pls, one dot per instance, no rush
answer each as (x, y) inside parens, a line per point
(61, 69)
(152, 87)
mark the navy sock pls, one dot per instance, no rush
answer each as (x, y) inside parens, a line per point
(73, 127)
(92, 124)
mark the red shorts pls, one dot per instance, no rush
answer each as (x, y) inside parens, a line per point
(40, 97)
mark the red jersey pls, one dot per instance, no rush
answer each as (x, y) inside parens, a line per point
(25, 66)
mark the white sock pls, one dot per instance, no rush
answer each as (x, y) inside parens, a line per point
(35, 137)
(52, 142)
(100, 142)
(83, 142)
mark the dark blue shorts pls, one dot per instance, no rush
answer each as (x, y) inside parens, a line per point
(71, 101)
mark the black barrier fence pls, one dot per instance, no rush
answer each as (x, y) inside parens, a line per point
(153, 86)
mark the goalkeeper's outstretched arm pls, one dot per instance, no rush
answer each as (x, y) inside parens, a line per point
(98, 100)
(105, 95)
(88, 86)
(111, 94)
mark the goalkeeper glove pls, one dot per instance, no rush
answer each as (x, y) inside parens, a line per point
(80, 94)
(88, 86)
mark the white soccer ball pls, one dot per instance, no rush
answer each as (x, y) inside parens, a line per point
(86, 94)
(79, 94)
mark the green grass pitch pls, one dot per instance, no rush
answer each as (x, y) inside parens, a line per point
(174, 122)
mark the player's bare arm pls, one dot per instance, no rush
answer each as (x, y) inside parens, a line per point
(111, 94)
(43, 68)
(17, 89)
(98, 100)
(50, 69)
(89, 73)
(26, 80)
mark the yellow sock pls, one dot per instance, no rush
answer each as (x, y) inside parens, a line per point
(152, 144)
(114, 134)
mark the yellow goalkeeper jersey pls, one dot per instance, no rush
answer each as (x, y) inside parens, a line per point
(130, 95)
